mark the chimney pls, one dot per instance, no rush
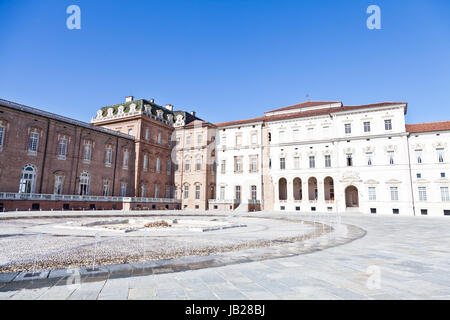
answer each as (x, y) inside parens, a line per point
(129, 99)
(169, 107)
(193, 113)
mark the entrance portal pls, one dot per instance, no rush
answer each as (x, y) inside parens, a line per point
(351, 197)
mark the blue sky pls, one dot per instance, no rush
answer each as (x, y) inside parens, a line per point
(227, 60)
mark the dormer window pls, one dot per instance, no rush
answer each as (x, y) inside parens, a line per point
(387, 125)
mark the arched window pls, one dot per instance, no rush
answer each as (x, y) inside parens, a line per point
(28, 179)
(85, 180)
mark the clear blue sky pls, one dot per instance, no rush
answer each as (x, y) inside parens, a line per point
(227, 60)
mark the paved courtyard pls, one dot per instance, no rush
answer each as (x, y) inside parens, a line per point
(398, 258)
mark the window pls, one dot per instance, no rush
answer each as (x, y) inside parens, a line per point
(123, 189)
(238, 140)
(419, 176)
(424, 212)
(197, 192)
(145, 162)
(237, 193)
(348, 128)
(387, 124)
(327, 161)
(349, 160)
(238, 164)
(34, 141)
(62, 149)
(253, 192)
(296, 162)
(394, 194)
(2, 136)
(168, 192)
(444, 194)
(106, 185)
(130, 132)
(85, 181)
(222, 193)
(156, 191)
(108, 157)
(87, 151)
(312, 162)
(223, 166)
(144, 190)
(199, 139)
(422, 194)
(253, 164)
(440, 153)
(254, 139)
(282, 136)
(419, 156)
(187, 165)
(28, 179)
(367, 126)
(175, 192)
(310, 132)
(326, 131)
(59, 182)
(125, 159)
(159, 138)
(169, 166)
(224, 140)
(188, 141)
(372, 194)
(158, 165)
(442, 174)
(282, 163)
(147, 134)
(369, 156)
(391, 157)
(198, 164)
(186, 192)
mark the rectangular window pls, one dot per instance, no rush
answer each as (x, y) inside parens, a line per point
(144, 190)
(394, 193)
(424, 212)
(197, 192)
(369, 156)
(34, 140)
(282, 136)
(158, 165)
(223, 166)
(188, 141)
(238, 140)
(169, 166)
(198, 164)
(108, 157)
(391, 157)
(237, 193)
(327, 161)
(167, 192)
(442, 174)
(187, 165)
(296, 134)
(422, 194)
(372, 194)
(156, 191)
(444, 194)
(106, 185)
(123, 189)
(312, 162)
(296, 162)
(222, 193)
(348, 128)
(419, 176)
(186, 192)
(440, 153)
(419, 156)
(349, 160)
(2, 135)
(238, 164)
(87, 151)
(199, 139)
(253, 164)
(253, 189)
(254, 139)
(387, 124)
(367, 126)
(62, 149)
(282, 163)
(224, 140)
(147, 134)
(125, 159)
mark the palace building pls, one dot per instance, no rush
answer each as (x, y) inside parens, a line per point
(309, 157)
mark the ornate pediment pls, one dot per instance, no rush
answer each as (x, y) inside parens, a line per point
(371, 181)
(390, 147)
(349, 150)
(350, 177)
(440, 145)
(369, 149)
(393, 181)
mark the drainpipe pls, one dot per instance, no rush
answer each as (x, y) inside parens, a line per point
(410, 175)
(261, 161)
(45, 155)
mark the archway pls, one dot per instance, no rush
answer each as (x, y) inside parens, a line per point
(328, 185)
(282, 189)
(297, 185)
(28, 179)
(312, 189)
(351, 197)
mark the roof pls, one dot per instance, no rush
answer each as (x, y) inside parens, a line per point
(428, 127)
(198, 122)
(309, 113)
(42, 113)
(305, 105)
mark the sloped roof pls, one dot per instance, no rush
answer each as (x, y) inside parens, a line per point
(428, 127)
(305, 105)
